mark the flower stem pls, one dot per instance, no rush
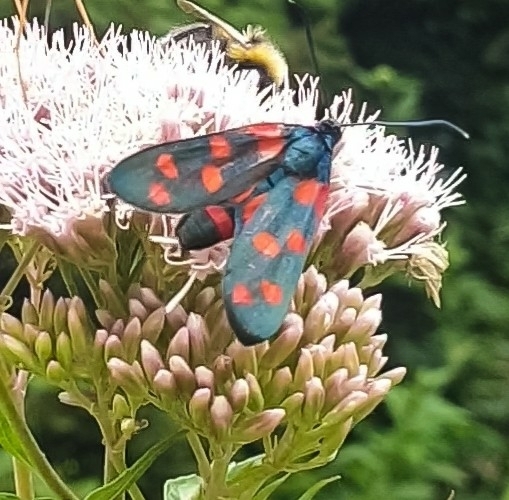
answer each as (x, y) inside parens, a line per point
(216, 486)
(200, 455)
(19, 272)
(36, 458)
(23, 480)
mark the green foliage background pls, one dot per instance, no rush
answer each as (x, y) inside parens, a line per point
(446, 426)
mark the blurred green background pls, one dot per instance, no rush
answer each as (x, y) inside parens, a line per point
(446, 426)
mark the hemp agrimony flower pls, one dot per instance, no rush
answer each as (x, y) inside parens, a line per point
(86, 107)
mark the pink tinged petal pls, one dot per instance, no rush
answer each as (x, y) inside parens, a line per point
(113, 348)
(136, 308)
(128, 376)
(184, 376)
(204, 377)
(314, 397)
(258, 426)
(223, 370)
(150, 360)
(199, 407)
(198, 339)
(345, 408)
(364, 326)
(396, 375)
(304, 369)
(239, 395)
(244, 358)
(278, 386)
(221, 415)
(153, 325)
(131, 339)
(179, 344)
(284, 345)
(165, 386)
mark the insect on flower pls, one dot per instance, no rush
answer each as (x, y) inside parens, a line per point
(265, 183)
(250, 49)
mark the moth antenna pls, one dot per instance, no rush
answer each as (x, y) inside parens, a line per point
(311, 43)
(175, 301)
(415, 123)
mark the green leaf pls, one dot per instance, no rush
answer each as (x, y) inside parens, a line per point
(122, 482)
(8, 496)
(266, 491)
(310, 494)
(187, 487)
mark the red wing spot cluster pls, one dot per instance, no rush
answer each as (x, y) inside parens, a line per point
(271, 293)
(158, 194)
(212, 178)
(220, 148)
(306, 192)
(222, 221)
(266, 244)
(166, 165)
(241, 295)
(295, 242)
(251, 206)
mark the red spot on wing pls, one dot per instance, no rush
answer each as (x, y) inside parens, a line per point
(265, 129)
(296, 242)
(266, 244)
(321, 200)
(241, 296)
(306, 192)
(270, 139)
(272, 293)
(166, 166)
(243, 196)
(251, 206)
(221, 220)
(158, 194)
(212, 178)
(220, 148)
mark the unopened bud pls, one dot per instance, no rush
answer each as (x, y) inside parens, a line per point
(221, 414)
(284, 345)
(12, 326)
(199, 407)
(259, 426)
(131, 338)
(46, 311)
(179, 344)
(184, 376)
(44, 347)
(29, 315)
(313, 402)
(204, 377)
(304, 369)
(64, 351)
(278, 386)
(60, 316)
(153, 325)
(150, 360)
(55, 373)
(239, 395)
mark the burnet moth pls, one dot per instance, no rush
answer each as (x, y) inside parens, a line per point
(266, 183)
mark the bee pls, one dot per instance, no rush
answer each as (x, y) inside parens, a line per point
(250, 49)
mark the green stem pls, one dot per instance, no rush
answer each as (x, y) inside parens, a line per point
(114, 447)
(216, 487)
(23, 480)
(23, 477)
(19, 272)
(200, 455)
(35, 457)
